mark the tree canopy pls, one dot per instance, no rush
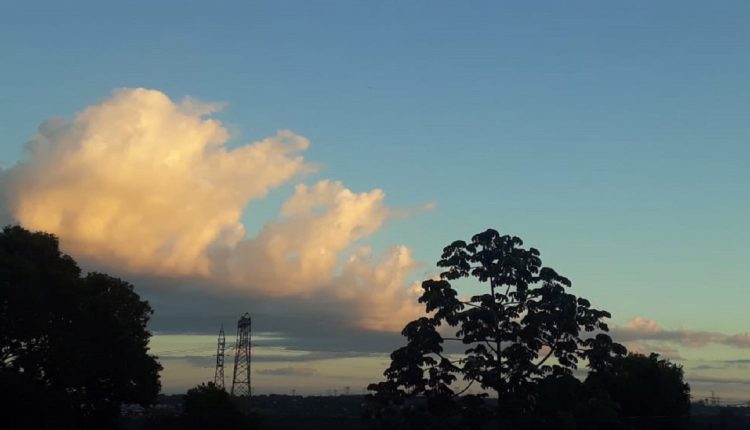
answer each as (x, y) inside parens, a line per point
(207, 406)
(73, 348)
(644, 386)
(523, 327)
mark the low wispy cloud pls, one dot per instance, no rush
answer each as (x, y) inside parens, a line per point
(724, 364)
(738, 340)
(288, 371)
(146, 186)
(310, 356)
(640, 329)
(707, 367)
(646, 347)
(709, 380)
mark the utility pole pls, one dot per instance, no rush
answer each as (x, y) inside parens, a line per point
(219, 373)
(241, 377)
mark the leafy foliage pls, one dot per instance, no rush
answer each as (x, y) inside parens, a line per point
(207, 406)
(72, 348)
(564, 402)
(207, 400)
(644, 386)
(524, 328)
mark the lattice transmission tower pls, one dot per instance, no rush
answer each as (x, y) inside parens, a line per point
(241, 378)
(219, 373)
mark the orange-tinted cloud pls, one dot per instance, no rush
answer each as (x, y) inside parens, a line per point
(146, 185)
(145, 182)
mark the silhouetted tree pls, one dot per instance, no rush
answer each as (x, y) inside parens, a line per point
(207, 406)
(523, 328)
(72, 348)
(564, 402)
(207, 401)
(650, 391)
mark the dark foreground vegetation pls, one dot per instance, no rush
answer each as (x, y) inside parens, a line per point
(284, 412)
(73, 348)
(74, 355)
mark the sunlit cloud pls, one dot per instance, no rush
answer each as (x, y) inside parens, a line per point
(145, 182)
(145, 185)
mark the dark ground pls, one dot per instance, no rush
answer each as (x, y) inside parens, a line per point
(310, 413)
(281, 412)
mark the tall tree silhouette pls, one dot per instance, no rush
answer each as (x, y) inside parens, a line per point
(72, 348)
(523, 328)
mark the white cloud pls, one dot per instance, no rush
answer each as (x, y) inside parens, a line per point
(301, 251)
(377, 288)
(148, 186)
(640, 324)
(145, 182)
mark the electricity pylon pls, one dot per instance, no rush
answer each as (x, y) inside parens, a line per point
(219, 373)
(241, 378)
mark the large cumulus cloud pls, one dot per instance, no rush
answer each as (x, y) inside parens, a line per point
(149, 186)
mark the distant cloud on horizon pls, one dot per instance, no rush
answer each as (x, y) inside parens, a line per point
(144, 185)
(288, 371)
(645, 335)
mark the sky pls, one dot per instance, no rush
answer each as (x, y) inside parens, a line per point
(308, 161)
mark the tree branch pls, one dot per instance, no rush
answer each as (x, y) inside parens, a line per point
(551, 350)
(474, 305)
(465, 388)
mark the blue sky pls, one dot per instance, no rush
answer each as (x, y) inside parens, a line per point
(610, 135)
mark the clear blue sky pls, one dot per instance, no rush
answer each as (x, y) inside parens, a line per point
(613, 136)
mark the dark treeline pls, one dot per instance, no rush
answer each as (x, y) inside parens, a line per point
(74, 350)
